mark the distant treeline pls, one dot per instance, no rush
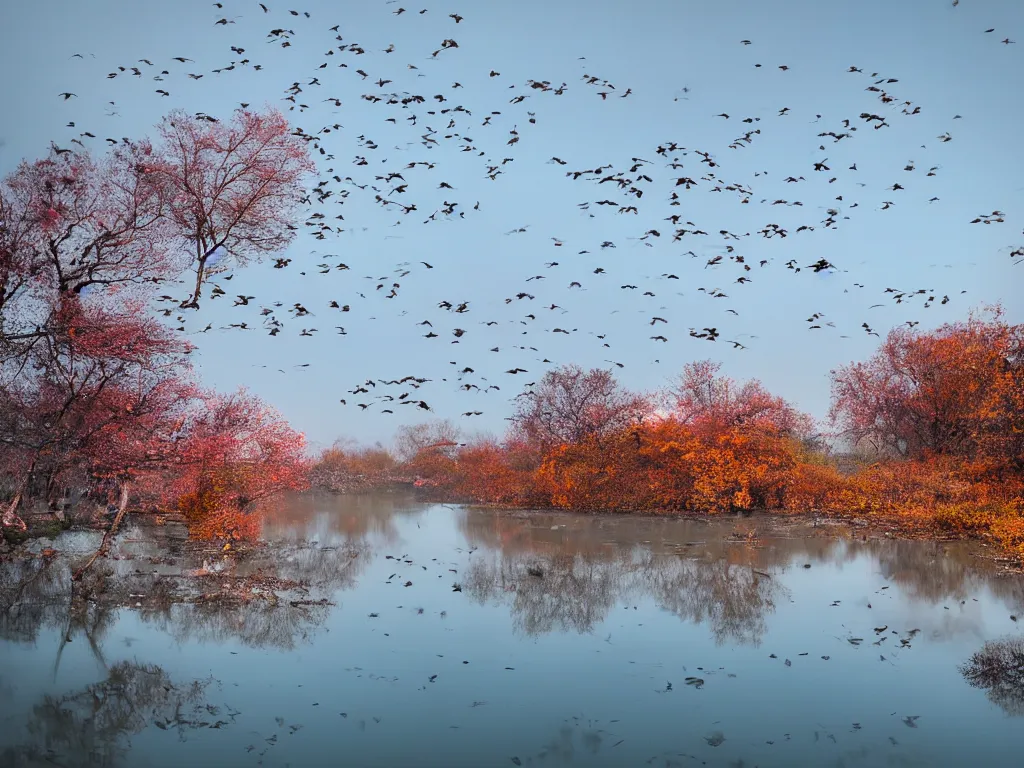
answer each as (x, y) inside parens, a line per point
(934, 421)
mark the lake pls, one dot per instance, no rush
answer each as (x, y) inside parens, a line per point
(380, 631)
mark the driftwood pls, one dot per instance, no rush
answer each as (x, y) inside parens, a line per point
(10, 516)
(108, 537)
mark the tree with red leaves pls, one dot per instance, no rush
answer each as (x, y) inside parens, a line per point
(94, 372)
(231, 188)
(708, 401)
(236, 452)
(956, 391)
(69, 224)
(92, 388)
(134, 443)
(570, 405)
(213, 457)
(428, 450)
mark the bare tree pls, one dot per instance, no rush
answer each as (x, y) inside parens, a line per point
(570, 405)
(232, 188)
(440, 436)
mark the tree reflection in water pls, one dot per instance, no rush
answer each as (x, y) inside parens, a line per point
(289, 602)
(571, 740)
(733, 600)
(998, 669)
(34, 595)
(92, 726)
(196, 595)
(264, 620)
(336, 518)
(721, 572)
(576, 592)
(559, 592)
(569, 578)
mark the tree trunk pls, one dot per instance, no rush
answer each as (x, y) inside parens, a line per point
(193, 302)
(10, 517)
(56, 505)
(122, 509)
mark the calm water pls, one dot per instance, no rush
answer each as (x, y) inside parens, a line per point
(604, 641)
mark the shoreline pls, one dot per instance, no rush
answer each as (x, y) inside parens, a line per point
(838, 525)
(875, 527)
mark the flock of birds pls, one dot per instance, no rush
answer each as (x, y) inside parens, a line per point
(652, 187)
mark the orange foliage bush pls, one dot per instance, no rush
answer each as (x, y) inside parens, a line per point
(664, 466)
(502, 474)
(237, 454)
(1008, 531)
(943, 411)
(695, 459)
(345, 469)
(667, 467)
(436, 465)
(817, 487)
(957, 391)
(209, 513)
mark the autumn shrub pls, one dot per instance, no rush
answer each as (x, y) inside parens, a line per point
(491, 472)
(667, 466)
(1003, 522)
(668, 462)
(957, 391)
(1008, 532)
(434, 465)
(345, 469)
(214, 510)
(716, 470)
(943, 449)
(964, 518)
(814, 487)
(596, 474)
(714, 478)
(236, 454)
(210, 522)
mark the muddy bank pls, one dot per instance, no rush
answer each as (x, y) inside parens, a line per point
(154, 568)
(844, 525)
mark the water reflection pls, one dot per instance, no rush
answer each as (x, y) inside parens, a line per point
(335, 518)
(570, 641)
(33, 596)
(556, 592)
(998, 669)
(733, 600)
(554, 572)
(721, 573)
(574, 739)
(271, 596)
(256, 625)
(274, 598)
(565, 592)
(92, 726)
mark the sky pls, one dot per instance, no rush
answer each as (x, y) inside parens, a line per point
(684, 65)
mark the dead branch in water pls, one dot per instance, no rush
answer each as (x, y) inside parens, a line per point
(108, 536)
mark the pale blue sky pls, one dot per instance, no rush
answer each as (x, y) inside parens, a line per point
(943, 60)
